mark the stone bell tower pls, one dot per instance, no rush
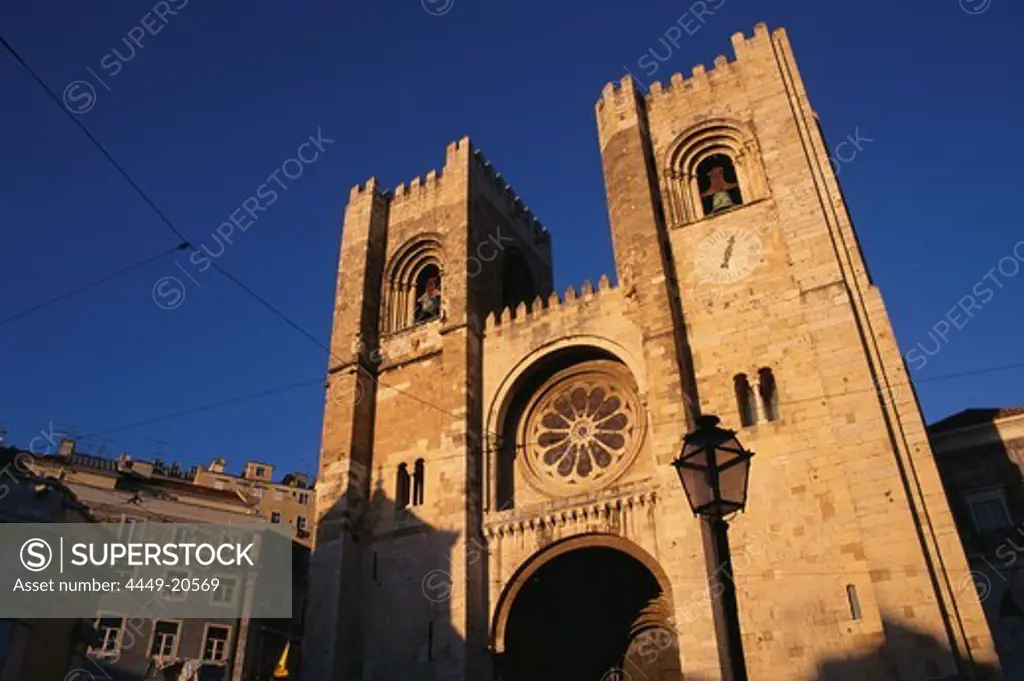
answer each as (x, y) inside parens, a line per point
(495, 496)
(398, 492)
(722, 183)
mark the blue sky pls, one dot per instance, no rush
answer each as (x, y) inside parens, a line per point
(212, 104)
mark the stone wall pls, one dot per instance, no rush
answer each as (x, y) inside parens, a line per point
(844, 494)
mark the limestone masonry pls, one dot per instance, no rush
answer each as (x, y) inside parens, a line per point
(495, 455)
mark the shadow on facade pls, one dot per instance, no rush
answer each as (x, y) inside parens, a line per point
(981, 475)
(395, 619)
(877, 664)
(398, 622)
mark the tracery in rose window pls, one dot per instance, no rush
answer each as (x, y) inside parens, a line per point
(583, 428)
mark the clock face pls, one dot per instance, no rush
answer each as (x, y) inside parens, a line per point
(727, 255)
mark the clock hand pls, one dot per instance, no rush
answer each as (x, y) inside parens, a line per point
(728, 252)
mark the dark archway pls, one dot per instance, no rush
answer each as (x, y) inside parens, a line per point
(590, 613)
(517, 284)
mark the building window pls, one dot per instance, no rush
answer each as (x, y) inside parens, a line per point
(744, 399)
(165, 639)
(989, 511)
(303, 497)
(260, 471)
(418, 482)
(854, 601)
(769, 394)
(428, 295)
(225, 592)
(413, 283)
(275, 517)
(718, 185)
(172, 579)
(300, 523)
(183, 534)
(402, 487)
(215, 643)
(712, 167)
(109, 631)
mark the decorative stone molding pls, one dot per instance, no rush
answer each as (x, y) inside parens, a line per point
(526, 521)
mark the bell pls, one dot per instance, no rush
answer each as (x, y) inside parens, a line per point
(720, 201)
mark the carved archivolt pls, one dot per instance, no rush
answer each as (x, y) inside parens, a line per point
(694, 145)
(582, 429)
(401, 276)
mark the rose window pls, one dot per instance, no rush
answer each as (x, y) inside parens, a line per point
(583, 428)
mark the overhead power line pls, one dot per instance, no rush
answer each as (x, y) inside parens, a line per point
(248, 290)
(81, 126)
(184, 239)
(92, 284)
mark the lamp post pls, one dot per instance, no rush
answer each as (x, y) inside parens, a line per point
(714, 469)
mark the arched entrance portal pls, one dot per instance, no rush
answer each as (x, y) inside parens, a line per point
(593, 613)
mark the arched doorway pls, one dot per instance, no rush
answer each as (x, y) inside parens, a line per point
(588, 610)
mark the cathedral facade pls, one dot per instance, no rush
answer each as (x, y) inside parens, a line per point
(496, 498)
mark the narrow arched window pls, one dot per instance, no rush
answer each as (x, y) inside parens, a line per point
(418, 482)
(412, 284)
(428, 295)
(744, 399)
(402, 487)
(717, 184)
(769, 394)
(854, 602)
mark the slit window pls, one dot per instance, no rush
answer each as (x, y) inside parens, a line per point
(769, 394)
(744, 399)
(418, 482)
(851, 596)
(402, 487)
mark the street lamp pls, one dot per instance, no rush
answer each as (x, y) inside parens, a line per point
(714, 469)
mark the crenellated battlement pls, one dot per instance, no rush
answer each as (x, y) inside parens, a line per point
(418, 185)
(422, 186)
(367, 188)
(569, 302)
(615, 95)
(509, 202)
